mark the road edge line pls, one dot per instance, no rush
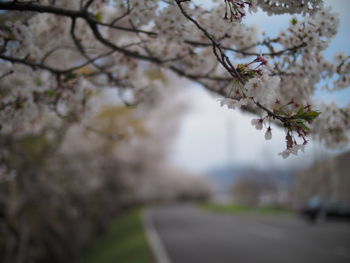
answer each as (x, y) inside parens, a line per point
(154, 240)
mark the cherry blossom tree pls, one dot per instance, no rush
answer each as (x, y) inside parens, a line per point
(56, 54)
(58, 58)
(67, 182)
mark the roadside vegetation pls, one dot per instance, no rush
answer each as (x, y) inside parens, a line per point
(124, 242)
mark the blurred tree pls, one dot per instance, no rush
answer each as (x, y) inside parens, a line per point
(327, 178)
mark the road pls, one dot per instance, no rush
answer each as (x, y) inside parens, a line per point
(191, 235)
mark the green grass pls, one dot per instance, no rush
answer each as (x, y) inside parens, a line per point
(124, 242)
(235, 208)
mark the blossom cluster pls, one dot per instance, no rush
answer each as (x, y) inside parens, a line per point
(290, 6)
(52, 63)
(332, 126)
(235, 9)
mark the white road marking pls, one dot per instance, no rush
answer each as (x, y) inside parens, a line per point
(157, 246)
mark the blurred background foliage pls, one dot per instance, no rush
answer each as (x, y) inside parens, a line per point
(64, 184)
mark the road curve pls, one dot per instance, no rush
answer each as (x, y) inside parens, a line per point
(191, 235)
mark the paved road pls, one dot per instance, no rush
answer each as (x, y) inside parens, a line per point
(191, 235)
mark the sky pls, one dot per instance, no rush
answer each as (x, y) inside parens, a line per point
(211, 136)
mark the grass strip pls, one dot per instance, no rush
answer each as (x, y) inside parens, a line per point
(235, 208)
(123, 242)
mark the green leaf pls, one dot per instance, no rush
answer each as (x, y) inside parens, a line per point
(306, 115)
(251, 73)
(99, 17)
(301, 111)
(303, 126)
(51, 93)
(311, 115)
(70, 76)
(299, 123)
(38, 81)
(294, 21)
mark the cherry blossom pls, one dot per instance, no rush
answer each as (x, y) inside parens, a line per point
(56, 55)
(268, 134)
(258, 123)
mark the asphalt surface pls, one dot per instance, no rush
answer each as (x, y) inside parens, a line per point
(191, 235)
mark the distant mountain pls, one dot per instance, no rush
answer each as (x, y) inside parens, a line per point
(224, 177)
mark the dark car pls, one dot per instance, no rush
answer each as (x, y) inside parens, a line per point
(317, 209)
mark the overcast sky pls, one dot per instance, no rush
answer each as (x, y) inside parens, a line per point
(211, 136)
